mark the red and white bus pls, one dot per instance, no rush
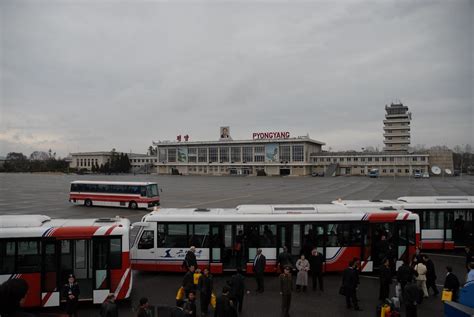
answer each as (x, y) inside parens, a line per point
(44, 251)
(115, 194)
(228, 238)
(446, 222)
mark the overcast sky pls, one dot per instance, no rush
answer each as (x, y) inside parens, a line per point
(97, 75)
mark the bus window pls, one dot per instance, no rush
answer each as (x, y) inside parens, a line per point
(152, 190)
(49, 267)
(332, 235)
(176, 237)
(28, 259)
(115, 253)
(147, 240)
(267, 236)
(7, 257)
(200, 238)
(143, 191)
(101, 251)
(160, 239)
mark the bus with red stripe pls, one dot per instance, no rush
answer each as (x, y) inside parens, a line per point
(229, 238)
(446, 222)
(44, 251)
(131, 195)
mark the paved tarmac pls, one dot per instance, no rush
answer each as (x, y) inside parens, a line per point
(48, 194)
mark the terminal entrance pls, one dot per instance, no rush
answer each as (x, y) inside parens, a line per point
(285, 171)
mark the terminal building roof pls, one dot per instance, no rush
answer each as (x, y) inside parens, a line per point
(228, 141)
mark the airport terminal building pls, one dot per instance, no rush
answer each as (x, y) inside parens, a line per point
(267, 153)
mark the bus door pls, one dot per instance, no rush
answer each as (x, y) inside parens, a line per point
(216, 234)
(382, 240)
(404, 241)
(75, 258)
(101, 266)
(50, 283)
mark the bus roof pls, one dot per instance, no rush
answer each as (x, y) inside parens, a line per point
(114, 183)
(31, 221)
(412, 202)
(272, 213)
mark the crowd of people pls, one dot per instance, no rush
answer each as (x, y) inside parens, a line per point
(414, 280)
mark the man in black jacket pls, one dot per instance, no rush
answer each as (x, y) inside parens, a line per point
(285, 259)
(350, 280)
(430, 275)
(188, 281)
(71, 292)
(190, 258)
(237, 286)
(451, 283)
(109, 307)
(412, 296)
(259, 264)
(224, 305)
(405, 273)
(385, 280)
(316, 261)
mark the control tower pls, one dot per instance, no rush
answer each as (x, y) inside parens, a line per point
(396, 128)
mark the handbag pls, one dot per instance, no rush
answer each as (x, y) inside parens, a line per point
(446, 295)
(213, 300)
(342, 291)
(180, 293)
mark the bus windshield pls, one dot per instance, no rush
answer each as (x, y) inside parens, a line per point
(152, 190)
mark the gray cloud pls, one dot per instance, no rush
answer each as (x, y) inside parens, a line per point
(95, 75)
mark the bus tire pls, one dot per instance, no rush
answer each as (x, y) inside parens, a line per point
(88, 203)
(133, 205)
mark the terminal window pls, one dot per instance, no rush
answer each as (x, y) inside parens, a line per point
(298, 153)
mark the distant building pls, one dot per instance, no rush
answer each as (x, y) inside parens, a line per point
(360, 163)
(143, 163)
(85, 160)
(271, 153)
(396, 128)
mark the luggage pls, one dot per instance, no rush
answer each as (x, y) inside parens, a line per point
(393, 313)
(446, 296)
(382, 310)
(180, 294)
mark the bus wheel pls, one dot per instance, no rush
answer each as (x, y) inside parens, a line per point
(133, 205)
(88, 203)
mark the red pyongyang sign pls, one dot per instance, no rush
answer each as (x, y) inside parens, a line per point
(270, 135)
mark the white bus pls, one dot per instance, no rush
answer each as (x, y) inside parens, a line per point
(446, 222)
(115, 194)
(228, 238)
(44, 251)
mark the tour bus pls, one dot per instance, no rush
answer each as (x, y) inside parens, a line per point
(45, 251)
(446, 222)
(228, 238)
(118, 194)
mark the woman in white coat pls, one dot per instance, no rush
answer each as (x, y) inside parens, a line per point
(421, 270)
(302, 265)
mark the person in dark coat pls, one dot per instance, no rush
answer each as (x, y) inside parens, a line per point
(190, 305)
(284, 259)
(190, 258)
(109, 307)
(205, 286)
(451, 283)
(71, 293)
(188, 281)
(405, 273)
(350, 280)
(12, 296)
(430, 275)
(178, 310)
(286, 288)
(469, 256)
(411, 296)
(385, 279)
(316, 261)
(237, 289)
(224, 305)
(143, 309)
(259, 264)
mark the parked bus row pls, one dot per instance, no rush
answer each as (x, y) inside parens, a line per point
(445, 222)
